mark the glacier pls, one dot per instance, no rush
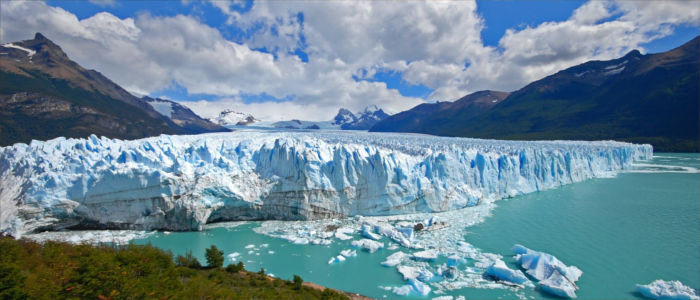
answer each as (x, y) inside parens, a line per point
(184, 182)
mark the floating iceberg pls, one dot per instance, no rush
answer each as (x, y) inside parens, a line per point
(184, 182)
(426, 255)
(367, 231)
(554, 276)
(343, 234)
(501, 272)
(336, 259)
(660, 289)
(394, 259)
(369, 245)
(558, 285)
(413, 272)
(402, 290)
(419, 287)
(455, 260)
(348, 253)
(414, 286)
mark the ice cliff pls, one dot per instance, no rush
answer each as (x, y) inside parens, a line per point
(184, 182)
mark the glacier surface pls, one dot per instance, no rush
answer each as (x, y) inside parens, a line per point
(185, 182)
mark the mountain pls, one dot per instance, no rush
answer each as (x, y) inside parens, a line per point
(366, 119)
(44, 94)
(429, 117)
(345, 120)
(230, 117)
(637, 98)
(183, 116)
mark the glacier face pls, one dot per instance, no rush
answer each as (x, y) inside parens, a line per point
(184, 182)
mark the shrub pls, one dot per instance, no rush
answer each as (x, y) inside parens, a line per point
(231, 268)
(298, 282)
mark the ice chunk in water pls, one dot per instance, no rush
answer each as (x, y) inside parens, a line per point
(455, 260)
(555, 277)
(348, 253)
(541, 265)
(394, 259)
(337, 259)
(369, 245)
(660, 289)
(500, 271)
(558, 285)
(426, 255)
(419, 287)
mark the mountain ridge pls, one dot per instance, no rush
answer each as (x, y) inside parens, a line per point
(44, 94)
(650, 98)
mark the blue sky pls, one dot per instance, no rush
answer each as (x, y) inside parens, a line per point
(326, 55)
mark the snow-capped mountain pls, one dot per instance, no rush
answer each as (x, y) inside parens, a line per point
(183, 182)
(230, 117)
(182, 116)
(344, 116)
(364, 119)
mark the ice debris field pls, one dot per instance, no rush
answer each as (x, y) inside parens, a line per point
(184, 182)
(430, 253)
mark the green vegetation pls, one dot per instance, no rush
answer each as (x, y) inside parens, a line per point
(298, 282)
(215, 257)
(54, 270)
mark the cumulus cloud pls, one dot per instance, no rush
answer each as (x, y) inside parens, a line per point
(439, 46)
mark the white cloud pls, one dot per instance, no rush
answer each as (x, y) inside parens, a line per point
(437, 44)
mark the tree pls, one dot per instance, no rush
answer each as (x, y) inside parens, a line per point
(187, 261)
(215, 257)
(298, 282)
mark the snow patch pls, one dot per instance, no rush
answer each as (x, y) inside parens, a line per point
(30, 52)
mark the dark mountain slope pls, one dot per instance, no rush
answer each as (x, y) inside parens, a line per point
(44, 94)
(638, 98)
(431, 117)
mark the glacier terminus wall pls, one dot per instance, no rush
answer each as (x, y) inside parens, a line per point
(184, 182)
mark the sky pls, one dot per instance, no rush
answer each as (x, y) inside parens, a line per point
(281, 60)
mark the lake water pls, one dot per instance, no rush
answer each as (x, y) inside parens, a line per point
(637, 227)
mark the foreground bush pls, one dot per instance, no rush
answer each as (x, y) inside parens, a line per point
(29, 270)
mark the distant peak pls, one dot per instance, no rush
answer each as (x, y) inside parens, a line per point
(634, 53)
(38, 36)
(371, 108)
(344, 111)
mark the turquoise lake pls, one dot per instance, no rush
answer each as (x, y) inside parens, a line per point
(634, 228)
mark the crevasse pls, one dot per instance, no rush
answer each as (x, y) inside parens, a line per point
(184, 182)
